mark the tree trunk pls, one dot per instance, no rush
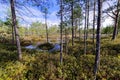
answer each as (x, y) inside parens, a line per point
(79, 29)
(116, 23)
(14, 22)
(85, 29)
(98, 36)
(87, 19)
(46, 27)
(13, 35)
(79, 33)
(61, 26)
(94, 25)
(66, 42)
(115, 28)
(76, 29)
(72, 23)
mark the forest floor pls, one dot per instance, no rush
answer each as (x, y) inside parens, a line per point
(39, 65)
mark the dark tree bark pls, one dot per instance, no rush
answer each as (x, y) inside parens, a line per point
(98, 36)
(14, 22)
(79, 33)
(75, 29)
(115, 28)
(94, 24)
(87, 18)
(61, 27)
(79, 29)
(116, 22)
(66, 42)
(72, 23)
(85, 27)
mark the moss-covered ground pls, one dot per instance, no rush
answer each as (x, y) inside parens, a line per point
(37, 65)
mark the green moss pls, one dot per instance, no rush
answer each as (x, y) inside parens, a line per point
(46, 46)
(41, 65)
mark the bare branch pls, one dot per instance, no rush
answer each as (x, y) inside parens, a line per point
(27, 9)
(111, 9)
(110, 15)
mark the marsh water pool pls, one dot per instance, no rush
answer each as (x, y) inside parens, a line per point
(35, 47)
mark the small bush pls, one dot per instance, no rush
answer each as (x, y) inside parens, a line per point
(46, 46)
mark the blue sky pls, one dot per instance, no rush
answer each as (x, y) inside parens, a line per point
(28, 18)
(31, 14)
(3, 11)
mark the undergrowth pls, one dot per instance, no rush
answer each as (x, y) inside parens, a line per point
(38, 65)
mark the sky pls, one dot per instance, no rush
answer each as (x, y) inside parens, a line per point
(30, 14)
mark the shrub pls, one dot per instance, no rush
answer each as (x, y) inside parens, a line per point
(46, 46)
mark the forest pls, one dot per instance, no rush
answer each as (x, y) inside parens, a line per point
(59, 40)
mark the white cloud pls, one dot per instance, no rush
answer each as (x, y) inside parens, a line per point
(108, 22)
(36, 15)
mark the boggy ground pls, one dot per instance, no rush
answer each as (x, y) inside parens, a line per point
(37, 65)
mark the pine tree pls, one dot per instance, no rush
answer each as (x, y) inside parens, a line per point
(14, 23)
(98, 35)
